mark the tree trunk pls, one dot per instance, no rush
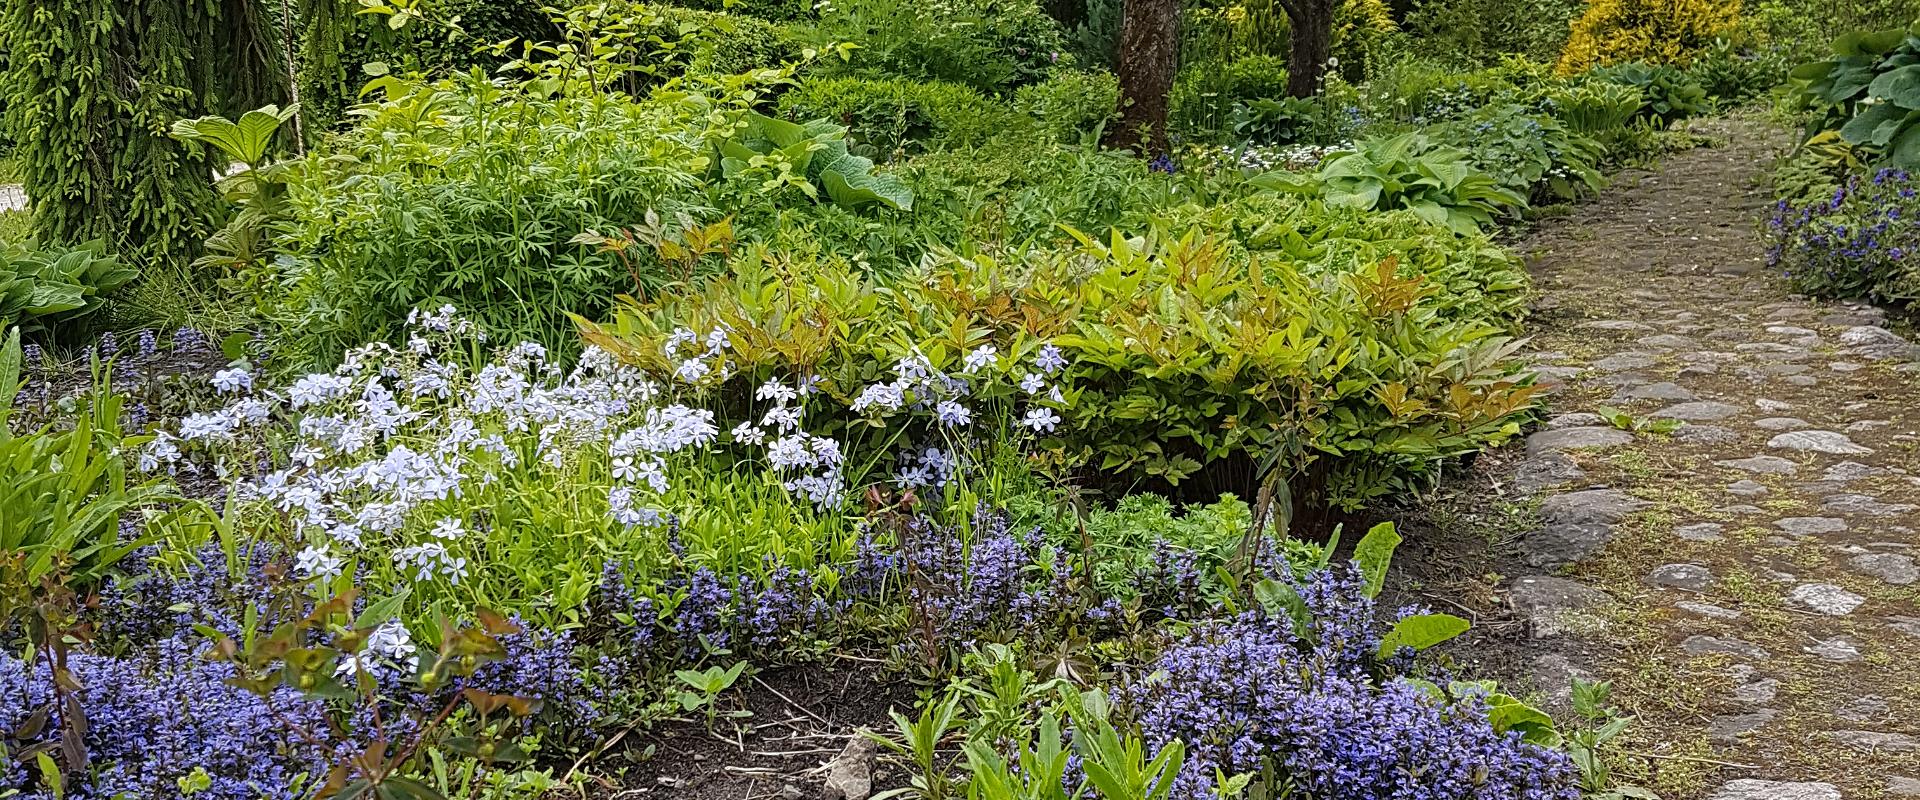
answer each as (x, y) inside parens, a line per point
(1148, 56)
(1309, 45)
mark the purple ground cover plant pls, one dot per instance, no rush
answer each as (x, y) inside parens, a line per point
(1861, 242)
(1249, 693)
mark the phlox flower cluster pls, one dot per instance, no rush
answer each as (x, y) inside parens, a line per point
(378, 462)
(1244, 692)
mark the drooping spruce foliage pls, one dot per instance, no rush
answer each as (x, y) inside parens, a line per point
(91, 89)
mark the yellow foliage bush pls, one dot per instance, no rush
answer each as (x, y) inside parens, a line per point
(1359, 29)
(1651, 31)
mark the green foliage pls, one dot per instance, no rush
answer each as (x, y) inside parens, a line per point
(466, 192)
(1481, 31)
(704, 687)
(1801, 29)
(890, 117)
(1206, 95)
(771, 10)
(1596, 109)
(990, 45)
(816, 150)
(257, 193)
(41, 289)
(1869, 91)
(1437, 182)
(1731, 74)
(1667, 94)
(1816, 169)
(1069, 104)
(1019, 191)
(1123, 541)
(1276, 121)
(68, 488)
(16, 228)
(720, 43)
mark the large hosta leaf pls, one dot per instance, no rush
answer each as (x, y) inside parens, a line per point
(1900, 87)
(861, 189)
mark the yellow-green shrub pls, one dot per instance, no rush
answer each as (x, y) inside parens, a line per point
(1650, 31)
(1352, 365)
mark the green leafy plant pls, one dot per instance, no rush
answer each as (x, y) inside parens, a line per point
(1667, 94)
(1436, 182)
(704, 690)
(1628, 422)
(990, 45)
(41, 289)
(1534, 155)
(1869, 91)
(1117, 766)
(891, 117)
(812, 157)
(1585, 745)
(1278, 120)
(60, 534)
(1598, 110)
(919, 743)
(257, 192)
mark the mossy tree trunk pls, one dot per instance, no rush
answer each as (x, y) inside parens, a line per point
(1148, 57)
(1309, 44)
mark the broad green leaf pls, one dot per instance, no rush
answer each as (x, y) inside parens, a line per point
(1373, 554)
(1420, 632)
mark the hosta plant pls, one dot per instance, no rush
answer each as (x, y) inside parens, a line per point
(1410, 171)
(1869, 91)
(42, 288)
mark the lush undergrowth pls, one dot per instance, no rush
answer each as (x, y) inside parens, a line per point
(539, 393)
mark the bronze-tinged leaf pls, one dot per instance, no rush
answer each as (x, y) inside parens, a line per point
(494, 623)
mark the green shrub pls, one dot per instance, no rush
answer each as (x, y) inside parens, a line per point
(1731, 74)
(1021, 191)
(726, 44)
(40, 289)
(1351, 376)
(772, 10)
(895, 116)
(1667, 94)
(1069, 104)
(1437, 182)
(1869, 91)
(1481, 31)
(990, 45)
(1205, 95)
(468, 193)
